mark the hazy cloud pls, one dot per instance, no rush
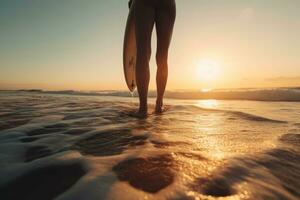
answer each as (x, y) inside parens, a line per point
(284, 79)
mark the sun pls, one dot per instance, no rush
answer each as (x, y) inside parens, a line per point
(208, 70)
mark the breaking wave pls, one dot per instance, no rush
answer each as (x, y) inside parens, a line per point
(273, 94)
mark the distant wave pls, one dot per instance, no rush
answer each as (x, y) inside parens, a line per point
(239, 114)
(256, 118)
(274, 94)
(246, 94)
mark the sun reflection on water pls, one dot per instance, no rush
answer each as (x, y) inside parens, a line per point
(209, 129)
(209, 103)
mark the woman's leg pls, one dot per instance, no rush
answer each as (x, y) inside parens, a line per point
(165, 18)
(144, 16)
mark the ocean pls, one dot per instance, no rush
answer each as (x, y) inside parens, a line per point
(228, 144)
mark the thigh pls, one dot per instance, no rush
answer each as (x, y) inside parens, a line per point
(144, 16)
(164, 22)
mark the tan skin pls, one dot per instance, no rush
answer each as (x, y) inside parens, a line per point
(148, 13)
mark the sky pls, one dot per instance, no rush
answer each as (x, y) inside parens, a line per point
(77, 44)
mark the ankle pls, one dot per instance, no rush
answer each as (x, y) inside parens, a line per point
(143, 109)
(159, 102)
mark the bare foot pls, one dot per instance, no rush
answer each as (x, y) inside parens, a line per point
(140, 114)
(159, 107)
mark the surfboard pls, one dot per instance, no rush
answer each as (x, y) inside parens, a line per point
(129, 51)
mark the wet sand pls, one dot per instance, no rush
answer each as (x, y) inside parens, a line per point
(66, 147)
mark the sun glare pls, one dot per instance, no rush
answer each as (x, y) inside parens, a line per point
(208, 70)
(206, 90)
(209, 103)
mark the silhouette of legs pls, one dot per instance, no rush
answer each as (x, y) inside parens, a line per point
(148, 12)
(164, 22)
(144, 16)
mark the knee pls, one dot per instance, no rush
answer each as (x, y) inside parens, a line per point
(161, 60)
(143, 55)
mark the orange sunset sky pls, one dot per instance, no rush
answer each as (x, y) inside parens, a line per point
(58, 45)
